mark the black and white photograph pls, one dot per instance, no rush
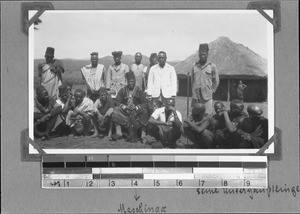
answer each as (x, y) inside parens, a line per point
(152, 81)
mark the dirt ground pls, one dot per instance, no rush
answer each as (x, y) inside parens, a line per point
(98, 143)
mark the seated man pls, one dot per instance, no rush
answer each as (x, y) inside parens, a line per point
(215, 120)
(79, 117)
(130, 111)
(103, 109)
(45, 113)
(166, 125)
(64, 100)
(253, 131)
(196, 127)
(224, 137)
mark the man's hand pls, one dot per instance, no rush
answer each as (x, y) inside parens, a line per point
(169, 123)
(172, 108)
(246, 136)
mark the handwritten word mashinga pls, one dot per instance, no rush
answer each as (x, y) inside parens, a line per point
(141, 208)
(271, 190)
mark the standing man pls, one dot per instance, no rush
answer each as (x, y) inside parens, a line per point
(205, 80)
(116, 78)
(50, 73)
(93, 74)
(162, 80)
(153, 61)
(240, 90)
(138, 69)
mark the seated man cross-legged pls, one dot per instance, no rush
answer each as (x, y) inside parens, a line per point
(196, 127)
(130, 112)
(166, 125)
(79, 117)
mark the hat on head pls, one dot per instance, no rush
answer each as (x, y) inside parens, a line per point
(102, 90)
(130, 76)
(63, 89)
(170, 102)
(153, 55)
(94, 53)
(49, 51)
(203, 47)
(39, 90)
(117, 53)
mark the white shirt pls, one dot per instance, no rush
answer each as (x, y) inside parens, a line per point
(162, 80)
(160, 115)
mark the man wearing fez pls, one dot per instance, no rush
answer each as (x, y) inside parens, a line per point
(166, 125)
(196, 127)
(93, 74)
(162, 80)
(79, 117)
(45, 113)
(224, 135)
(116, 74)
(103, 109)
(50, 73)
(130, 111)
(205, 79)
(253, 130)
(138, 69)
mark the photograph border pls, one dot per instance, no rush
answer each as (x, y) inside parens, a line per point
(272, 146)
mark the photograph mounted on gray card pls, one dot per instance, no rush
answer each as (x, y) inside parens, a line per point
(151, 81)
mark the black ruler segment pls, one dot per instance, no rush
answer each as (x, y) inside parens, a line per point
(142, 164)
(97, 164)
(122, 176)
(186, 164)
(254, 164)
(208, 164)
(96, 176)
(75, 164)
(53, 164)
(119, 164)
(231, 164)
(164, 164)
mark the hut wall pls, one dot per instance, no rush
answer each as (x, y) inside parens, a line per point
(256, 90)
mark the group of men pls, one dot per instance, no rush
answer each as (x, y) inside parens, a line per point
(137, 102)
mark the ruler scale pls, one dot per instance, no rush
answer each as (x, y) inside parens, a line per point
(157, 171)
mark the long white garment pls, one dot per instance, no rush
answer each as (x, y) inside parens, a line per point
(50, 80)
(162, 80)
(93, 76)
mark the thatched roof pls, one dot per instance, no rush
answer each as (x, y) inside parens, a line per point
(232, 60)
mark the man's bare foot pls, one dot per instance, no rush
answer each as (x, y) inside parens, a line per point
(94, 135)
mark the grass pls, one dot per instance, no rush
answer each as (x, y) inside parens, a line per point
(97, 143)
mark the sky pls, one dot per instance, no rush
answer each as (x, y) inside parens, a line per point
(75, 34)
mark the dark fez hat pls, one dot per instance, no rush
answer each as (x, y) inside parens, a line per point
(117, 53)
(203, 47)
(49, 51)
(153, 55)
(130, 76)
(94, 54)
